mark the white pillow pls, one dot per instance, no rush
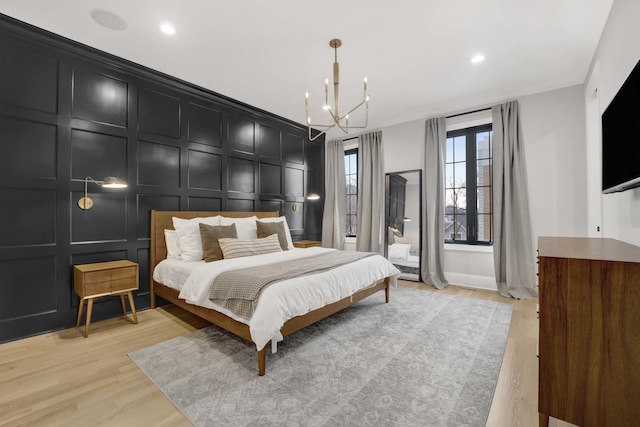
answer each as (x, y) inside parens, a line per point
(399, 251)
(286, 228)
(246, 228)
(173, 246)
(236, 248)
(189, 236)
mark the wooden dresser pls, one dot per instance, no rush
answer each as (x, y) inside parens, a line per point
(589, 348)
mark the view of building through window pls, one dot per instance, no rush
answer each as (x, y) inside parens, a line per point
(468, 203)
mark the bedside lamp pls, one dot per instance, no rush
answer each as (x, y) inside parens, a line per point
(109, 182)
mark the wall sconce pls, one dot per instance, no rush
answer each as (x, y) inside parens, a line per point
(406, 219)
(292, 198)
(109, 182)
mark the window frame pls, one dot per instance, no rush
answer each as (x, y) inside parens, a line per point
(348, 152)
(471, 184)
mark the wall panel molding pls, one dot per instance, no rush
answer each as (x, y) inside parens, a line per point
(68, 111)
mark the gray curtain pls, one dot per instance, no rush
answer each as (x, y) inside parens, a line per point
(334, 218)
(512, 244)
(371, 193)
(432, 257)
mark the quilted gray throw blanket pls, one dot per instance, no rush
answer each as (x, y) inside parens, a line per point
(238, 290)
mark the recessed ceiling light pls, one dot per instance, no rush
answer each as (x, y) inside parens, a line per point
(477, 58)
(167, 29)
(108, 19)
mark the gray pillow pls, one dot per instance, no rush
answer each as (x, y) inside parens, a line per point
(209, 234)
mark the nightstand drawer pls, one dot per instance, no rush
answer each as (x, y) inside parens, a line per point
(110, 286)
(97, 288)
(112, 274)
(306, 243)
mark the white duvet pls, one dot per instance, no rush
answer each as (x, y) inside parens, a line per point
(280, 301)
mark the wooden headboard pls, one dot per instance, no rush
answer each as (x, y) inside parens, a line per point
(162, 220)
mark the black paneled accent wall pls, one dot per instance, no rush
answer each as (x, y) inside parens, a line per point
(68, 111)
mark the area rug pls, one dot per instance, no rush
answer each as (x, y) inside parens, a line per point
(424, 359)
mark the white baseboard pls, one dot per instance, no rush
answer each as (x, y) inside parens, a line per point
(471, 281)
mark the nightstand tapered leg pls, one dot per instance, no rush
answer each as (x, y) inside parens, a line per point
(124, 307)
(133, 307)
(88, 322)
(80, 309)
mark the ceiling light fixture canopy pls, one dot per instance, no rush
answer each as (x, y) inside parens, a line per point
(340, 121)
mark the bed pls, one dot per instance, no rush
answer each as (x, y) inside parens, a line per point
(183, 277)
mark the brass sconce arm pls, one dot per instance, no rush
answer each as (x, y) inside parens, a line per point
(109, 182)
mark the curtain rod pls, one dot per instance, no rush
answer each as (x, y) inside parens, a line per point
(468, 112)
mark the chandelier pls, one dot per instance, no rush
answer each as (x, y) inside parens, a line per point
(337, 120)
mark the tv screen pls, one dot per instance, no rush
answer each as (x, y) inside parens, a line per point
(621, 137)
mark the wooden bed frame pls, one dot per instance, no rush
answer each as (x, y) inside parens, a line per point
(161, 220)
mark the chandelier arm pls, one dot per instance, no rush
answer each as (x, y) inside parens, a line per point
(323, 132)
(336, 120)
(354, 127)
(322, 125)
(352, 110)
(343, 129)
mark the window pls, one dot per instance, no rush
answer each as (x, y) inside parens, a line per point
(351, 175)
(468, 197)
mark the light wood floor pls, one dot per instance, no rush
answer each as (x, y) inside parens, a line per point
(63, 379)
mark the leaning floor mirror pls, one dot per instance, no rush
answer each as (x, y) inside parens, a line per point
(403, 210)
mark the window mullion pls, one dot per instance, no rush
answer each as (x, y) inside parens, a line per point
(471, 187)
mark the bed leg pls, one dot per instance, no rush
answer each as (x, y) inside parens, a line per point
(262, 360)
(387, 282)
(153, 297)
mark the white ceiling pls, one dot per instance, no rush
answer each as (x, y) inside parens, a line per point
(415, 53)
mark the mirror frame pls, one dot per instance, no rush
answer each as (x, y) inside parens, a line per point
(420, 207)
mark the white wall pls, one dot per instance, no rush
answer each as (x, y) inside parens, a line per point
(617, 54)
(553, 126)
(554, 133)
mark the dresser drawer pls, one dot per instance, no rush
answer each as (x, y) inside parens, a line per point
(109, 275)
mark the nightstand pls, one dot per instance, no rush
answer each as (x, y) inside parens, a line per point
(94, 281)
(306, 243)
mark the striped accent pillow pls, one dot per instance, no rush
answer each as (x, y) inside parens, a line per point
(236, 248)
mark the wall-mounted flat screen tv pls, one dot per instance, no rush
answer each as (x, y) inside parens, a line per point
(621, 137)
